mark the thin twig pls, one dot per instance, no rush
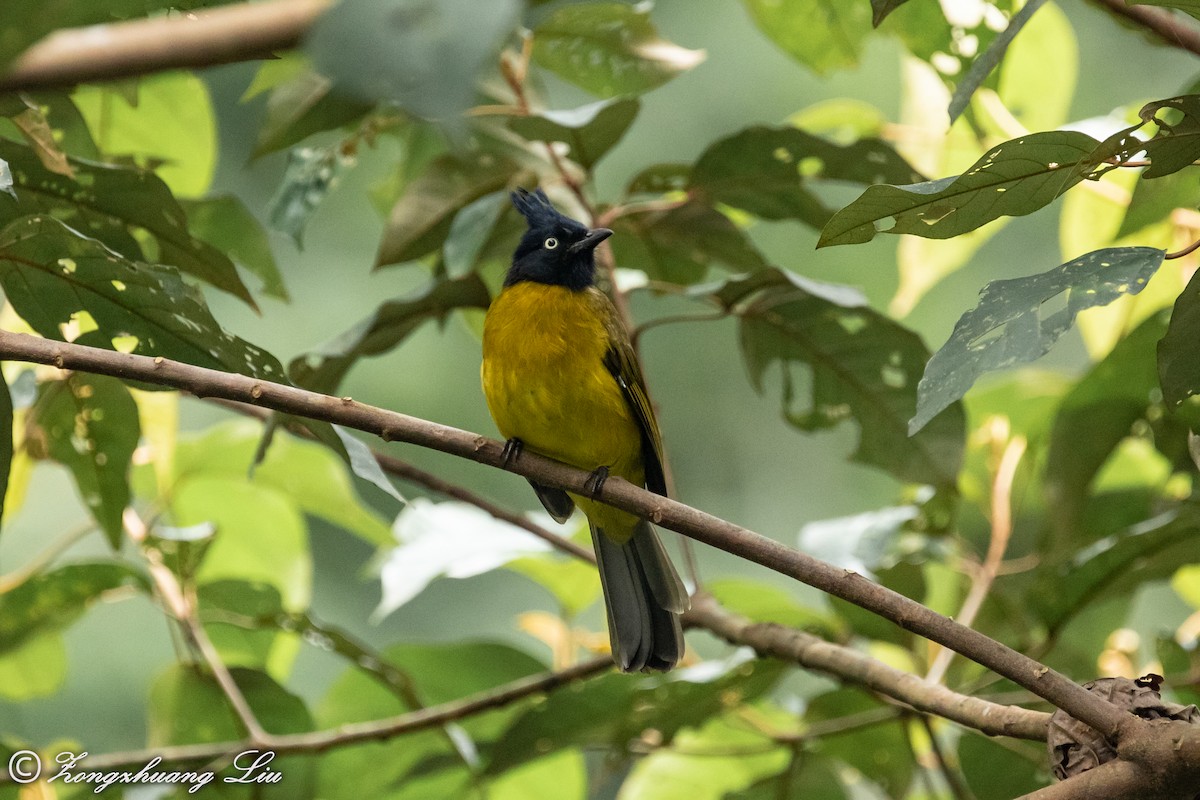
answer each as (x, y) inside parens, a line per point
(948, 770)
(1191, 248)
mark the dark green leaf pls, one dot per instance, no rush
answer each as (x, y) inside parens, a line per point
(310, 175)
(610, 49)
(421, 218)
(241, 645)
(613, 709)
(1178, 358)
(995, 772)
(987, 61)
(53, 600)
(89, 424)
(880, 752)
(52, 275)
(470, 231)
(1190, 6)
(1013, 179)
(660, 179)
(863, 366)
(1097, 414)
(824, 35)
(766, 171)
(112, 204)
(6, 440)
(881, 8)
(1177, 142)
(416, 53)
(323, 369)
(1154, 201)
(681, 243)
(303, 106)
(1009, 327)
(590, 131)
(228, 225)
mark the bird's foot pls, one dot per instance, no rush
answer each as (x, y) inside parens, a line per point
(595, 482)
(510, 453)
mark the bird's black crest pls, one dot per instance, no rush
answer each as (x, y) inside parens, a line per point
(535, 208)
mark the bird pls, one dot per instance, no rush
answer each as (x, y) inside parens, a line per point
(561, 379)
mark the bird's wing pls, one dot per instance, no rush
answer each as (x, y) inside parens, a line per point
(622, 362)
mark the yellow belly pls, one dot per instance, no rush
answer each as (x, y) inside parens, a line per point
(546, 384)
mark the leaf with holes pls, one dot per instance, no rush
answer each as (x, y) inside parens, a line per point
(114, 205)
(609, 49)
(768, 171)
(89, 424)
(59, 280)
(323, 369)
(1176, 144)
(863, 366)
(681, 244)
(589, 131)
(823, 35)
(1012, 179)
(1009, 327)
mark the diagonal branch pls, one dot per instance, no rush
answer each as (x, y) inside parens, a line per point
(1167, 26)
(391, 426)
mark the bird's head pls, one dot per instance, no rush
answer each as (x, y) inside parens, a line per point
(556, 249)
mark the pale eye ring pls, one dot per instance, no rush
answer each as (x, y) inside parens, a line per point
(550, 243)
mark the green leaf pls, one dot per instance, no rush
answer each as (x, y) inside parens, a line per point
(1097, 414)
(415, 53)
(478, 230)
(562, 775)
(6, 441)
(880, 752)
(589, 131)
(171, 122)
(1190, 6)
(681, 243)
(52, 275)
(613, 709)
(996, 772)
(1177, 141)
(574, 584)
(323, 369)
(226, 223)
(1009, 327)
(987, 61)
(824, 35)
(1178, 364)
(310, 175)
(609, 49)
(302, 106)
(241, 646)
(89, 424)
(1039, 74)
(881, 8)
(1153, 202)
(816, 777)
(763, 603)
(863, 366)
(113, 204)
(766, 171)
(35, 668)
(421, 219)
(51, 601)
(1012, 179)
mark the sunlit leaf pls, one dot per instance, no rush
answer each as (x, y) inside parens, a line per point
(89, 424)
(767, 171)
(609, 49)
(51, 274)
(562, 775)
(111, 204)
(228, 225)
(824, 35)
(1038, 76)
(323, 369)
(1176, 144)
(680, 244)
(863, 366)
(35, 668)
(1009, 326)
(415, 53)
(421, 219)
(983, 64)
(589, 131)
(1012, 179)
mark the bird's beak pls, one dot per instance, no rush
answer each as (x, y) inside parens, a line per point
(594, 237)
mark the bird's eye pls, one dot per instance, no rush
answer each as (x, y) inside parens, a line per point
(550, 243)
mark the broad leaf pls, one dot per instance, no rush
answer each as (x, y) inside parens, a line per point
(575, 584)
(228, 225)
(863, 366)
(681, 243)
(114, 204)
(421, 218)
(766, 171)
(311, 173)
(1177, 142)
(1154, 201)
(53, 277)
(417, 54)
(1178, 362)
(822, 34)
(324, 369)
(590, 131)
(1001, 772)
(609, 49)
(989, 59)
(89, 424)
(304, 105)
(881, 8)
(1012, 179)
(1008, 326)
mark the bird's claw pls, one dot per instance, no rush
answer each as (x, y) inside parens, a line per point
(512, 451)
(595, 482)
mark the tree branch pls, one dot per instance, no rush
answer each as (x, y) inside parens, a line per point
(194, 40)
(391, 426)
(850, 665)
(1171, 28)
